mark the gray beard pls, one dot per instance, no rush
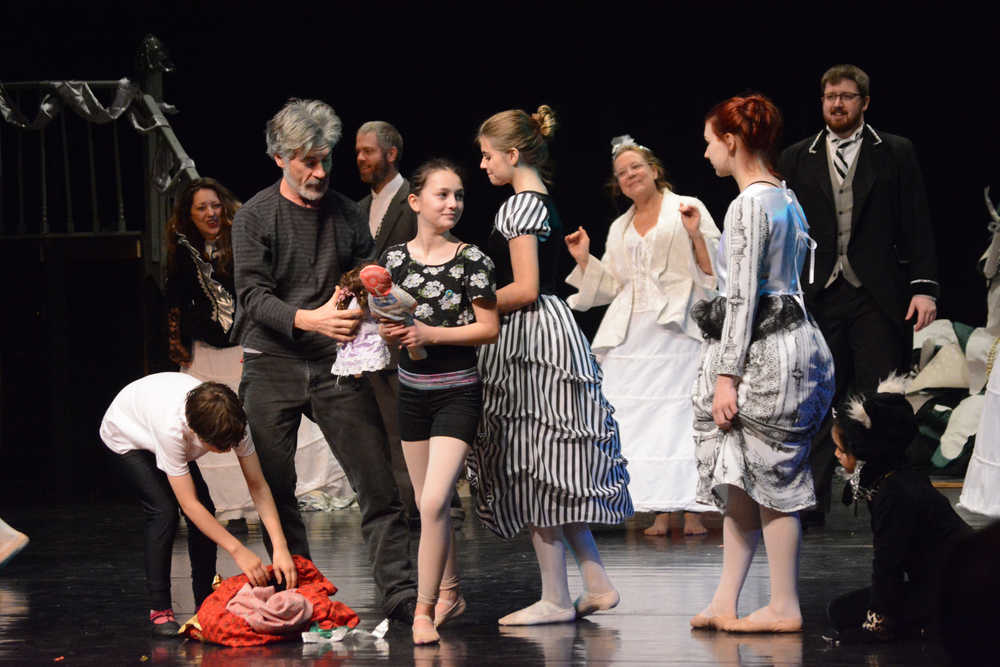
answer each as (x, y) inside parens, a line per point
(306, 194)
(313, 195)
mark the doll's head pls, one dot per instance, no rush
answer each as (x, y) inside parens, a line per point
(875, 427)
(351, 285)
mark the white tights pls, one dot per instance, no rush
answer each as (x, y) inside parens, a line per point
(550, 549)
(555, 605)
(742, 525)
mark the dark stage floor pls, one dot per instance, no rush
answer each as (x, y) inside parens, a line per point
(76, 596)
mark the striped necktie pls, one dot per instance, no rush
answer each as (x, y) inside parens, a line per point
(839, 155)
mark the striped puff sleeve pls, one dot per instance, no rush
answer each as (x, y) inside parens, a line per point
(747, 231)
(524, 213)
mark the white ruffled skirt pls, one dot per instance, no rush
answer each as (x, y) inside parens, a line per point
(649, 379)
(981, 490)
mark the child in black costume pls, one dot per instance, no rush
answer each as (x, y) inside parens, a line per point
(913, 526)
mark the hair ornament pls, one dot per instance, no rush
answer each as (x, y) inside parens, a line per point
(856, 411)
(623, 143)
(344, 299)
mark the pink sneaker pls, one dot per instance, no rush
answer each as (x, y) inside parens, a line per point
(164, 623)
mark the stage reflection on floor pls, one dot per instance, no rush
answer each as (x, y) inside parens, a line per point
(76, 596)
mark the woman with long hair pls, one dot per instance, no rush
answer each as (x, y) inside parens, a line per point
(548, 454)
(200, 284)
(766, 377)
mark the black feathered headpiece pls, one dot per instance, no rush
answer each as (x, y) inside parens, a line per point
(878, 426)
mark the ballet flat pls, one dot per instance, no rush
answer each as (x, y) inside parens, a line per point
(702, 622)
(432, 639)
(744, 625)
(457, 607)
(588, 603)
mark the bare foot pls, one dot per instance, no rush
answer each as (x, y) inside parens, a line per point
(423, 630)
(660, 527)
(766, 619)
(540, 613)
(693, 524)
(712, 619)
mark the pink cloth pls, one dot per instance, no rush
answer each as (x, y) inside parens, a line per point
(270, 612)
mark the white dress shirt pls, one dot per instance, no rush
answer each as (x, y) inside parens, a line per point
(380, 203)
(851, 152)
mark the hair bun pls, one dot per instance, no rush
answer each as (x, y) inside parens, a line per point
(755, 119)
(546, 119)
(753, 109)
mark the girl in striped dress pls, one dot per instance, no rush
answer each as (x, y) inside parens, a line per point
(439, 396)
(548, 454)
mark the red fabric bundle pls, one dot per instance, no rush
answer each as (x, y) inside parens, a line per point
(223, 627)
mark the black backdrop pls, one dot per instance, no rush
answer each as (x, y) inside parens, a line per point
(435, 70)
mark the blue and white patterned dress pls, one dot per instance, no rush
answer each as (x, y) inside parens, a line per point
(759, 331)
(548, 451)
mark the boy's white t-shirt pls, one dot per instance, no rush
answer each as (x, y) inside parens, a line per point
(148, 414)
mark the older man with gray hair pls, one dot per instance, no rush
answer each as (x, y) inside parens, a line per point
(291, 243)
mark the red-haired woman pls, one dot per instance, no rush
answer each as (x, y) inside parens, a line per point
(766, 377)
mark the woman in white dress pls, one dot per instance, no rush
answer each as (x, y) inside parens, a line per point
(656, 265)
(983, 476)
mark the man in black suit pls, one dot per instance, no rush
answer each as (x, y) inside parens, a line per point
(390, 220)
(379, 148)
(875, 276)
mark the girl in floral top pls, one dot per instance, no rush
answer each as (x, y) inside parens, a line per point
(440, 397)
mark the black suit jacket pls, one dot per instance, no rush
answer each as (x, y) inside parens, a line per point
(399, 224)
(892, 243)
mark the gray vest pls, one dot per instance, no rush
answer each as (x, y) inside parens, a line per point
(843, 199)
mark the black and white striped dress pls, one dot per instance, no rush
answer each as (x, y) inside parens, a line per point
(548, 451)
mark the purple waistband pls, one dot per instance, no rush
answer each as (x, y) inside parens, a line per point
(430, 381)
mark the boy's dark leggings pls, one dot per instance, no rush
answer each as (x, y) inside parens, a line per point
(160, 507)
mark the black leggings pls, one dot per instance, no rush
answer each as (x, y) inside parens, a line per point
(160, 507)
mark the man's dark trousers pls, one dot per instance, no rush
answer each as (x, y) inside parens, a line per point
(866, 346)
(276, 392)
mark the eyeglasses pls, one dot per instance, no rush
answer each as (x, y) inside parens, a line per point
(843, 97)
